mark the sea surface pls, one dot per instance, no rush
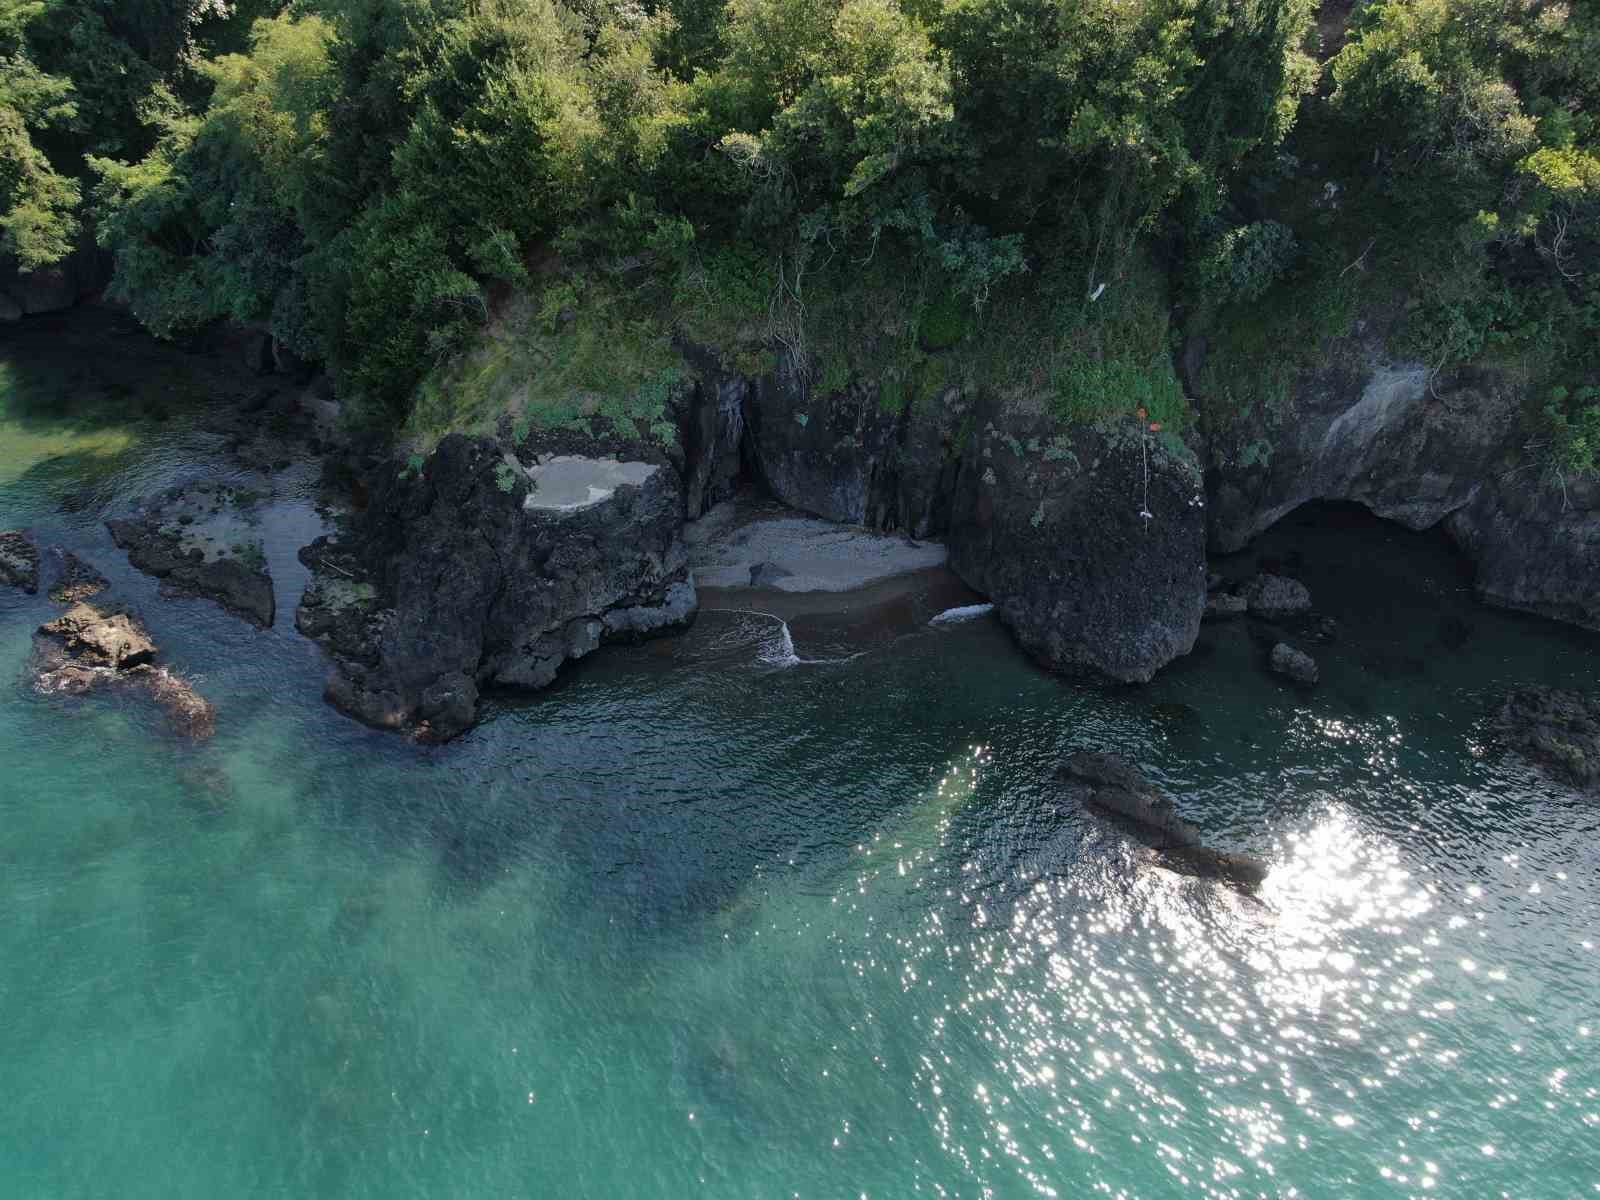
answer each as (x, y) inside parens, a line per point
(704, 920)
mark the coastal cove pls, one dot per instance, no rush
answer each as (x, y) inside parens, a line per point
(785, 903)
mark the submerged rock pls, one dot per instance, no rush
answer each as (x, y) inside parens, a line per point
(19, 561)
(1221, 606)
(1295, 664)
(479, 571)
(85, 649)
(200, 541)
(1557, 730)
(1114, 786)
(76, 581)
(1275, 596)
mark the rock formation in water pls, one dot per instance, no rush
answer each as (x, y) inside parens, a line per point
(1089, 539)
(1091, 543)
(1422, 450)
(86, 649)
(1113, 786)
(19, 561)
(1294, 664)
(1557, 730)
(1273, 597)
(481, 569)
(200, 541)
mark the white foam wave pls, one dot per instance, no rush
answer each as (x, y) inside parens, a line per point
(971, 612)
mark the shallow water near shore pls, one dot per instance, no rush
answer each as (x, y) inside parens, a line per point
(696, 923)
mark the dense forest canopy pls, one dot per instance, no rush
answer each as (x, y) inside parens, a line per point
(371, 178)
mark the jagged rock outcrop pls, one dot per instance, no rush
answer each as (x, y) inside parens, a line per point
(200, 541)
(846, 457)
(1421, 450)
(100, 639)
(1091, 571)
(1534, 548)
(1115, 787)
(1047, 524)
(712, 433)
(485, 570)
(87, 649)
(1557, 730)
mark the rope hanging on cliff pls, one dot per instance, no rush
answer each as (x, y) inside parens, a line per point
(1145, 514)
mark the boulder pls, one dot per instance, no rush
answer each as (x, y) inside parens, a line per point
(10, 311)
(1114, 787)
(19, 561)
(1559, 731)
(1295, 664)
(1275, 596)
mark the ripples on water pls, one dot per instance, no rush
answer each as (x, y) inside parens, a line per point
(699, 922)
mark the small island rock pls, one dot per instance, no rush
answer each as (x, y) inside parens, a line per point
(1295, 664)
(112, 640)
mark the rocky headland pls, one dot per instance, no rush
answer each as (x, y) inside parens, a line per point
(485, 568)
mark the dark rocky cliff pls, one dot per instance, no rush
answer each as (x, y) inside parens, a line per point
(478, 571)
(1049, 525)
(1426, 451)
(1090, 541)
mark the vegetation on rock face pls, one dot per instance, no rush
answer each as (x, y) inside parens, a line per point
(474, 207)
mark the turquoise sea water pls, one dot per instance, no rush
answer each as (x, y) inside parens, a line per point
(691, 924)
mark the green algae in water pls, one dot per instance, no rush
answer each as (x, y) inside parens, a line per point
(692, 925)
(78, 395)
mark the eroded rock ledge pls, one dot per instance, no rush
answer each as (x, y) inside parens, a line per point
(484, 570)
(200, 541)
(1425, 451)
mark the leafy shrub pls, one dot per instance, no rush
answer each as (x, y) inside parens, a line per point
(1243, 263)
(1573, 419)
